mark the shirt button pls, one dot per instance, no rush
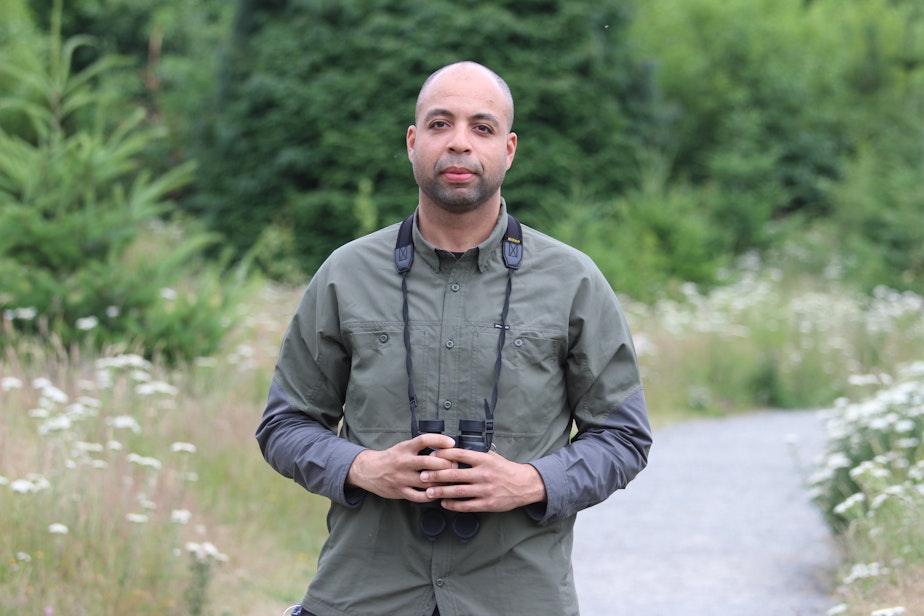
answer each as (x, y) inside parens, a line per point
(440, 583)
(450, 344)
(447, 404)
(518, 342)
(455, 286)
(383, 338)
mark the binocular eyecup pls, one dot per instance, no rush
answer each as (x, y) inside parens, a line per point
(434, 521)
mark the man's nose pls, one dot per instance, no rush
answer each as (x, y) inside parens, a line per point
(461, 140)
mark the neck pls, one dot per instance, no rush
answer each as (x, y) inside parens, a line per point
(457, 232)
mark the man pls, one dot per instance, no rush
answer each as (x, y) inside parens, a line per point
(459, 314)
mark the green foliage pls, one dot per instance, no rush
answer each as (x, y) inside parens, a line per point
(316, 97)
(650, 240)
(81, 242)
(753, 85)
(881, 214)
(813, 108)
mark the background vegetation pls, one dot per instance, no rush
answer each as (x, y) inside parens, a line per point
(749, 174)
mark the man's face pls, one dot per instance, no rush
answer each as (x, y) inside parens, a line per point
(461, 146)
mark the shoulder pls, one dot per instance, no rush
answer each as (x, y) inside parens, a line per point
(545, 252)
(375, 250)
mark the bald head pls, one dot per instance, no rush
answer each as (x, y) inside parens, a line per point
(466, 71)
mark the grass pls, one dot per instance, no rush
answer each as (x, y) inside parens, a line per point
(129, 488)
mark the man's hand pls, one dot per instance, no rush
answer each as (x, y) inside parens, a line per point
(395, 472)
(493, 483)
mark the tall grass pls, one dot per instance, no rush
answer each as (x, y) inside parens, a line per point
(769, 338)
(128, 487)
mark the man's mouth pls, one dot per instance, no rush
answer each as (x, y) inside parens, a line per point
(458, 174)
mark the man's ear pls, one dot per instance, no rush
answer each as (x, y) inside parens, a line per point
(511, 148)
(410, 139)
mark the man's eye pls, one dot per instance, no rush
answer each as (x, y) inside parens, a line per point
(438, 124)
(484, 128)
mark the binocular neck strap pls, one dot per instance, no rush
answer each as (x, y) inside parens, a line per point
(512, 252)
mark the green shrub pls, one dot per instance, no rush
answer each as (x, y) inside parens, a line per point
(82, 242)
(648, 241)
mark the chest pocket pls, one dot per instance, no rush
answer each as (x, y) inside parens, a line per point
(531, 389)
(376, 408)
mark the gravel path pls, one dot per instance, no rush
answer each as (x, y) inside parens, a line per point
(719, 523)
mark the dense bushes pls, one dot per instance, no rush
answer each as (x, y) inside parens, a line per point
(803, 112)
(316, 98)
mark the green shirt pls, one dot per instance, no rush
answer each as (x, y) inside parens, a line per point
(341, 386)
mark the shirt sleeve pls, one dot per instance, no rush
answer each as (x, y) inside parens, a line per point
(298, 433)
(608, 406)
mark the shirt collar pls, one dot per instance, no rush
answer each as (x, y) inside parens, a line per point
(487, 251)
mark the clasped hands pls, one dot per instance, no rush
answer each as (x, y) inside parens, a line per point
(491, 483)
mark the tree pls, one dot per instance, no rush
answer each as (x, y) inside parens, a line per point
(83, 241)
(316, 96)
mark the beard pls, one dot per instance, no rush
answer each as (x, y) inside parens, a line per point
(458, 198)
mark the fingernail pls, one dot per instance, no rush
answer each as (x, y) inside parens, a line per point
(425, 476)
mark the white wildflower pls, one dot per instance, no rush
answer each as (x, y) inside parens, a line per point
(134, 458)
(180, 516)
(57, 529)
(52, 394)
(136, 518)
(889, 611)
(8, 383)
(129, 360)
(181, 447)
(59, 423)
(156, 387)
(837, 460)
(904, 425)
(25, 314)
(85, 447)
(87, 323)
(113, 311)
(204, 552)
(871, 469)
(849, 503)
(23, 557)
(22, 486)
(863, 570)
(124, 422)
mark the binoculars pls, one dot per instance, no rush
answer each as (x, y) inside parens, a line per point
(471, 433)
(433, 518)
